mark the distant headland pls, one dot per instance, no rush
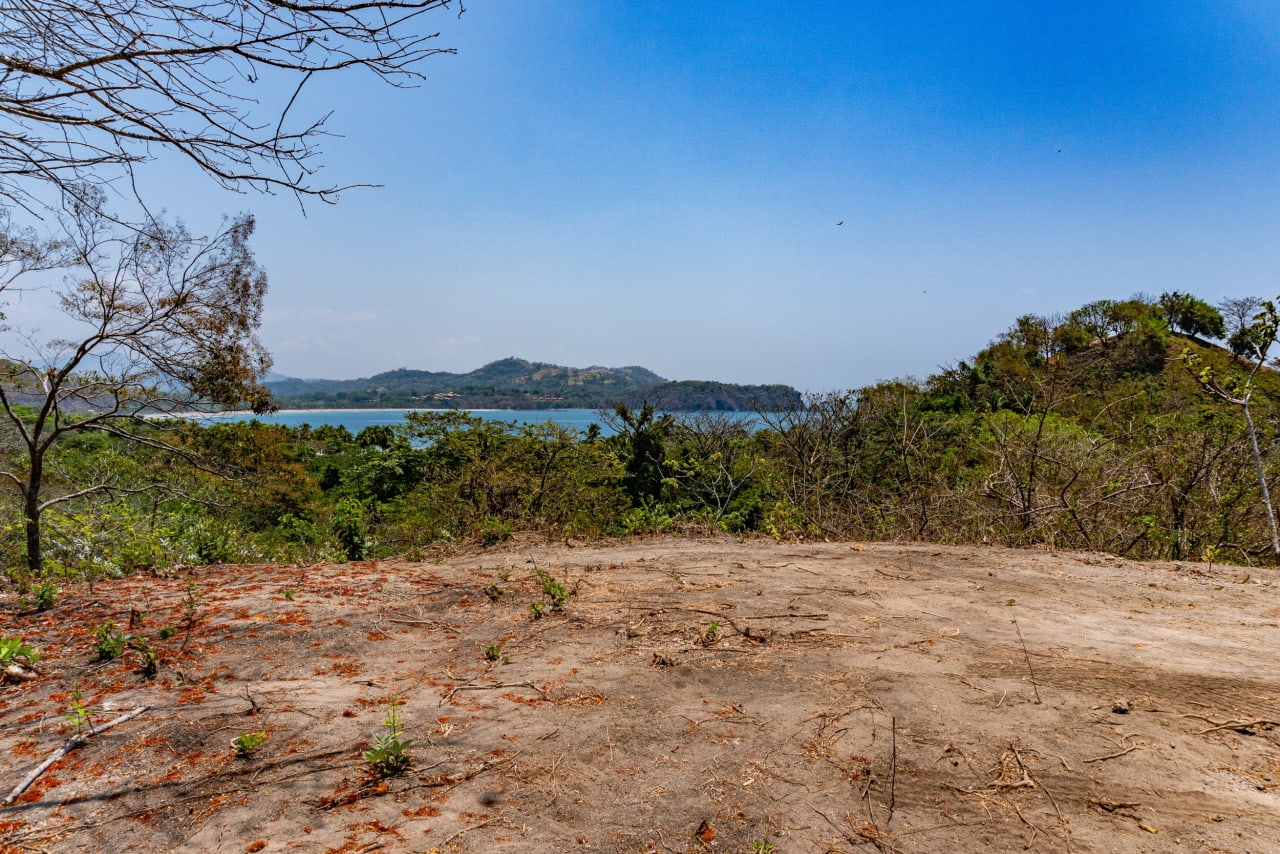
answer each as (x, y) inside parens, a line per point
(519, 384)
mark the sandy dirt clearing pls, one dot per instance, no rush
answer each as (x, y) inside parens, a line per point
(690, 695)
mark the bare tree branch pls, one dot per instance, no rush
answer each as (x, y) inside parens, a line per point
(89, 89)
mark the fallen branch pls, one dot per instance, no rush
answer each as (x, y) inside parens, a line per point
(1109, 805)
(893, 778)
(449, 695)
(1129, 749)
(1240, 725)
(847, 836)
(76, 741)
(1027, 656)
(487, 821)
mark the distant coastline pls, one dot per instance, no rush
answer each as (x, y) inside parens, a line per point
(247, 413)
(518, 385)
(355, 420)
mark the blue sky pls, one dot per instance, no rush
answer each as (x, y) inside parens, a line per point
(660, 184)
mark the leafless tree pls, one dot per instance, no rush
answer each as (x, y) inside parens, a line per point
(1239, 312)
(89, 89)
(167, 321)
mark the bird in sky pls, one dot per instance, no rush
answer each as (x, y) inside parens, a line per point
(841, 222)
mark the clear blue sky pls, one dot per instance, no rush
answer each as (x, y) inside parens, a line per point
(660, 184)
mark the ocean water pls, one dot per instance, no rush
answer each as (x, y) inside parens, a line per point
(356, 420)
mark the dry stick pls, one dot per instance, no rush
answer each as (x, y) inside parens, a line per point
(445, 844)
(893, 775)
(1027, 656)
(1035, 831)
(848, 836)
(449, 695)
(1114, 755)
(1231, 724)
(76, 741)
(1026, 771)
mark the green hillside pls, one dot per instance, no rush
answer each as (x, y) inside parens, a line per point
(519, 384)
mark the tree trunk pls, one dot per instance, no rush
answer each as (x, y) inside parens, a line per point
(1262, 482)
(31, 510)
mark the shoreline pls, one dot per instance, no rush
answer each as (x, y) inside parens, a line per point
(244, 413)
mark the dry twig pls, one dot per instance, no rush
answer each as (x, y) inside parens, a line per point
(77, 740)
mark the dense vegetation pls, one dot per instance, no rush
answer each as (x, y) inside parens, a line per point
(1093, 431)
(516, 384)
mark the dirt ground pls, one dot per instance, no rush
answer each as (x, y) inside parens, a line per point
(690, 695)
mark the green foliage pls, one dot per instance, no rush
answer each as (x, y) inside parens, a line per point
(640, 440)
(247, 743)
(557, 594)
(494, 531)
(648, 518)
(1074, 431)
(108, 643)
(388, 755)
(77, 714)
(45, 595)
(493, 652)
(1192, 315)
(212, 542)
(148, 657)
(349, 528)
(15, 650)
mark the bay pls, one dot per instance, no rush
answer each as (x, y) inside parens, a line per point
(356, 420)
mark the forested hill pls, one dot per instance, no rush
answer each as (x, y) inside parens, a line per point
(518, 384)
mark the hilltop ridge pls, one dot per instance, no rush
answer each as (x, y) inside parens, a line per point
(514, 383)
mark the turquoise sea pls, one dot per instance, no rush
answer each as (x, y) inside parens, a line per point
(356, 420)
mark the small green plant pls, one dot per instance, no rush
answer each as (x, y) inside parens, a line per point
(763, 847)
(148, 658)
(45, 595)
(247, 742)
(493, 652)
(77, 713)
(109, 643)
(13, 650)
(190, 610)
(191, 601)
(713, 627)
(552, 589)
(167, 632)
(536, 608)
(287, 594)
(1010, 602)
(388, 756)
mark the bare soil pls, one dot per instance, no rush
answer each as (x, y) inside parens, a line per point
(691, 695)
